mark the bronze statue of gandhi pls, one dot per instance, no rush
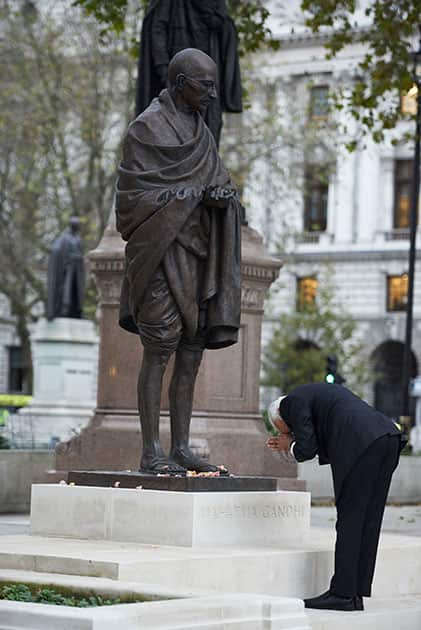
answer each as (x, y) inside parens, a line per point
(180, 215)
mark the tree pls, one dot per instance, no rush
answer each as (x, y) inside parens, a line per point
(65, 99)
(301, 341)
(385, 70)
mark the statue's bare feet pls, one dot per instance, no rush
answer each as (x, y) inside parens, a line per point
(186, 458)
(161, 465)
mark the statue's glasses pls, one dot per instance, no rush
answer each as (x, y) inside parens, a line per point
(208, 86)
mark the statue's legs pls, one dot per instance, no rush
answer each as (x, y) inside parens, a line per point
(161, 330)
(149, 398)
(181, 392)
(187, 363)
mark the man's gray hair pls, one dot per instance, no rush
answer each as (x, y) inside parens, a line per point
(273, 411)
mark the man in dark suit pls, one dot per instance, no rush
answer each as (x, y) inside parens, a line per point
(362, 446)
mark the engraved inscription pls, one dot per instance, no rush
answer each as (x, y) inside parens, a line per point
(244, 511)
(74, 371)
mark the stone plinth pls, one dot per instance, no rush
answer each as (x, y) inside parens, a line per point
(65, 358)
(181, 519)
(226, 422)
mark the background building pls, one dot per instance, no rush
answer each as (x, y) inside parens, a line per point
(349, 211)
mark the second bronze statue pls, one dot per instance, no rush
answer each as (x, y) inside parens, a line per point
(180, 215)
(173, 25)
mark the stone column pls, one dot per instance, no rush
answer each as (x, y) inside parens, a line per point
(226, 423)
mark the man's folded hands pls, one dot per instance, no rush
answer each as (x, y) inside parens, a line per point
(280, 443)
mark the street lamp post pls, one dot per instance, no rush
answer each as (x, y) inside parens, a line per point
(407, 358)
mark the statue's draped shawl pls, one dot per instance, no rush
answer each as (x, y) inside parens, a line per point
(160, 184)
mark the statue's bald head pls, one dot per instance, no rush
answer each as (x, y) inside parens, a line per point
(192, 79)
(192, 63)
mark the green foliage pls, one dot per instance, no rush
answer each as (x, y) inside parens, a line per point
(47, 594)
(296, 353)
(111, 15)
(386, 67)
(250, 19)
(16, 593)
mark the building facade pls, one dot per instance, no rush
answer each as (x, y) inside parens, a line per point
(347, 210)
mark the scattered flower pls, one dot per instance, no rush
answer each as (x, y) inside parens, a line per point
(139, 487)
(63, 483)
(117, 484)
(72, 483)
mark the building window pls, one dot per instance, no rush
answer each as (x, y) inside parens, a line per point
(409, 101)
(306, 292)
(319, 102)
(316, 188)
(403, 193)
(18, 372)
(397, 292)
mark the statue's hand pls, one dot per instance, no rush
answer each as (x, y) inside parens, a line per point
(218, 196)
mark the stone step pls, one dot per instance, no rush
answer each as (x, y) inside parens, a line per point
(402, 613)
(289, 572)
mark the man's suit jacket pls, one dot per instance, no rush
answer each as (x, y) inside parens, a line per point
(333, 423)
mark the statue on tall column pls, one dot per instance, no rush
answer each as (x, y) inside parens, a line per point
(173, 25)
(66, 274)
(180, 215)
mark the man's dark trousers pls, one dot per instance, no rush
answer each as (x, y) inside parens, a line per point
(360, 507)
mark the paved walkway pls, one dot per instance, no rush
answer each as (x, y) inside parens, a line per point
(404, 519)
(14, 524)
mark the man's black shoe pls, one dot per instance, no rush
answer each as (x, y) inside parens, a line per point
(318, 598)
(330, 601)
